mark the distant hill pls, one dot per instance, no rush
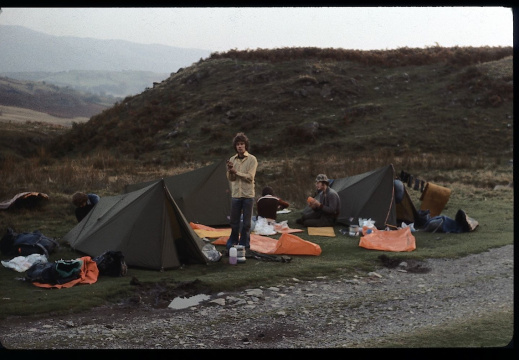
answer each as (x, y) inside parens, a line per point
(98, 82)
(24, 50)
(103, 67)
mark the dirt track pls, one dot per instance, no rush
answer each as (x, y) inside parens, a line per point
(340, 313)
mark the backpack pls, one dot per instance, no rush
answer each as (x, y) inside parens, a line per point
(111, 263)
(25, 244)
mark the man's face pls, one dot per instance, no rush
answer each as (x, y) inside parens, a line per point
(319, 185)
(240, 147)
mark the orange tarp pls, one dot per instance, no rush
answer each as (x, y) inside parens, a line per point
(88, 275)
(209, 232)
(287, 244)
(389, 240)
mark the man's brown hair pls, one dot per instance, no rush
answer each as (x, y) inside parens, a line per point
(241, 137)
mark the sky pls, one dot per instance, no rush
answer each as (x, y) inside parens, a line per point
(223, 29)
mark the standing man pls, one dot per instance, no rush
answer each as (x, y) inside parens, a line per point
(241, 170)
(325, 208)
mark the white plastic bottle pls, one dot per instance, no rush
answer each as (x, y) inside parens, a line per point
(233, 256)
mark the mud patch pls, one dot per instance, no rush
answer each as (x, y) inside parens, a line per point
(409, 265)
(159, 295)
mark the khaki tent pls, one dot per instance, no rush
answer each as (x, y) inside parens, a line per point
(203, 195)
(371, 195)
(146, 225)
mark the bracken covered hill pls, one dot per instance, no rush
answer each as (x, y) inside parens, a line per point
(294, 102)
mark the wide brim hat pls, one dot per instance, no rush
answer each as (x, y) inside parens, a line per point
(322, 178)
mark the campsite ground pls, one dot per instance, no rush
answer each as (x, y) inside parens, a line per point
(410, 304)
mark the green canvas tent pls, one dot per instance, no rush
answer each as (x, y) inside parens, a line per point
(203, 195)
(146, 225)
(371, 195)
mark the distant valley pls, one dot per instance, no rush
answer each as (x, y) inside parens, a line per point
(104, 67)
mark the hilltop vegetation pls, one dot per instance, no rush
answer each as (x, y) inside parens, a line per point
(298, 102)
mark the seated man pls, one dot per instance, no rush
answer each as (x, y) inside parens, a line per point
(84, 203)
(268, 204)
(325, 209)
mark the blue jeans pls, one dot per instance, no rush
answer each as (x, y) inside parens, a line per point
(442, 223)
(240, 236)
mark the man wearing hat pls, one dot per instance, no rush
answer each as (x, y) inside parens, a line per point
(325, 208)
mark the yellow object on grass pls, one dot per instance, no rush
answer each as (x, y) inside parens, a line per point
(321, 231)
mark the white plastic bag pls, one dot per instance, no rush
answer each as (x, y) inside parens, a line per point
(404, 225)
(23, 263)
(281, 226)
(263, 228)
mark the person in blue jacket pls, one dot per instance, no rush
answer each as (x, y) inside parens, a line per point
(84, 203)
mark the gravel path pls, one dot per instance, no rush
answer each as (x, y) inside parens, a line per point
(322, 313)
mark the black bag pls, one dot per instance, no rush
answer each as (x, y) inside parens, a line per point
(25, 244)
(59, 272)
(111, 263)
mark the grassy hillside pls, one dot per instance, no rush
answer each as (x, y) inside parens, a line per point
(305, 101)
(444, 114)
(51, 99)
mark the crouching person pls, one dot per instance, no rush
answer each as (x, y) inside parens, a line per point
(325, 207)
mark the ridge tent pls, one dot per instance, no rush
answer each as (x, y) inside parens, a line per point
(146, 225)
(203, 195)
(371, 195)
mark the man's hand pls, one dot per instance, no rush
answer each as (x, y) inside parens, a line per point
(314, 204)
(230, 167)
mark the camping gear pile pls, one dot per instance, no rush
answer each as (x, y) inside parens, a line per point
(32, 251)
(378, 196)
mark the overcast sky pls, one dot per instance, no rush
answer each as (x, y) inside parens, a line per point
(222, 29)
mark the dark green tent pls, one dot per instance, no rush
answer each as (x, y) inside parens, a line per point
(146, 225)
(203, 195)
(371, 195)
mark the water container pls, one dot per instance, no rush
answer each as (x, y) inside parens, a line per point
(240, 253)
(233, 256)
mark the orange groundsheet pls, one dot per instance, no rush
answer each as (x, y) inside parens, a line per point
(389, 240)
(88, 275)
(288, 244)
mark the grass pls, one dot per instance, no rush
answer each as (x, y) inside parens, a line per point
(494, 331)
